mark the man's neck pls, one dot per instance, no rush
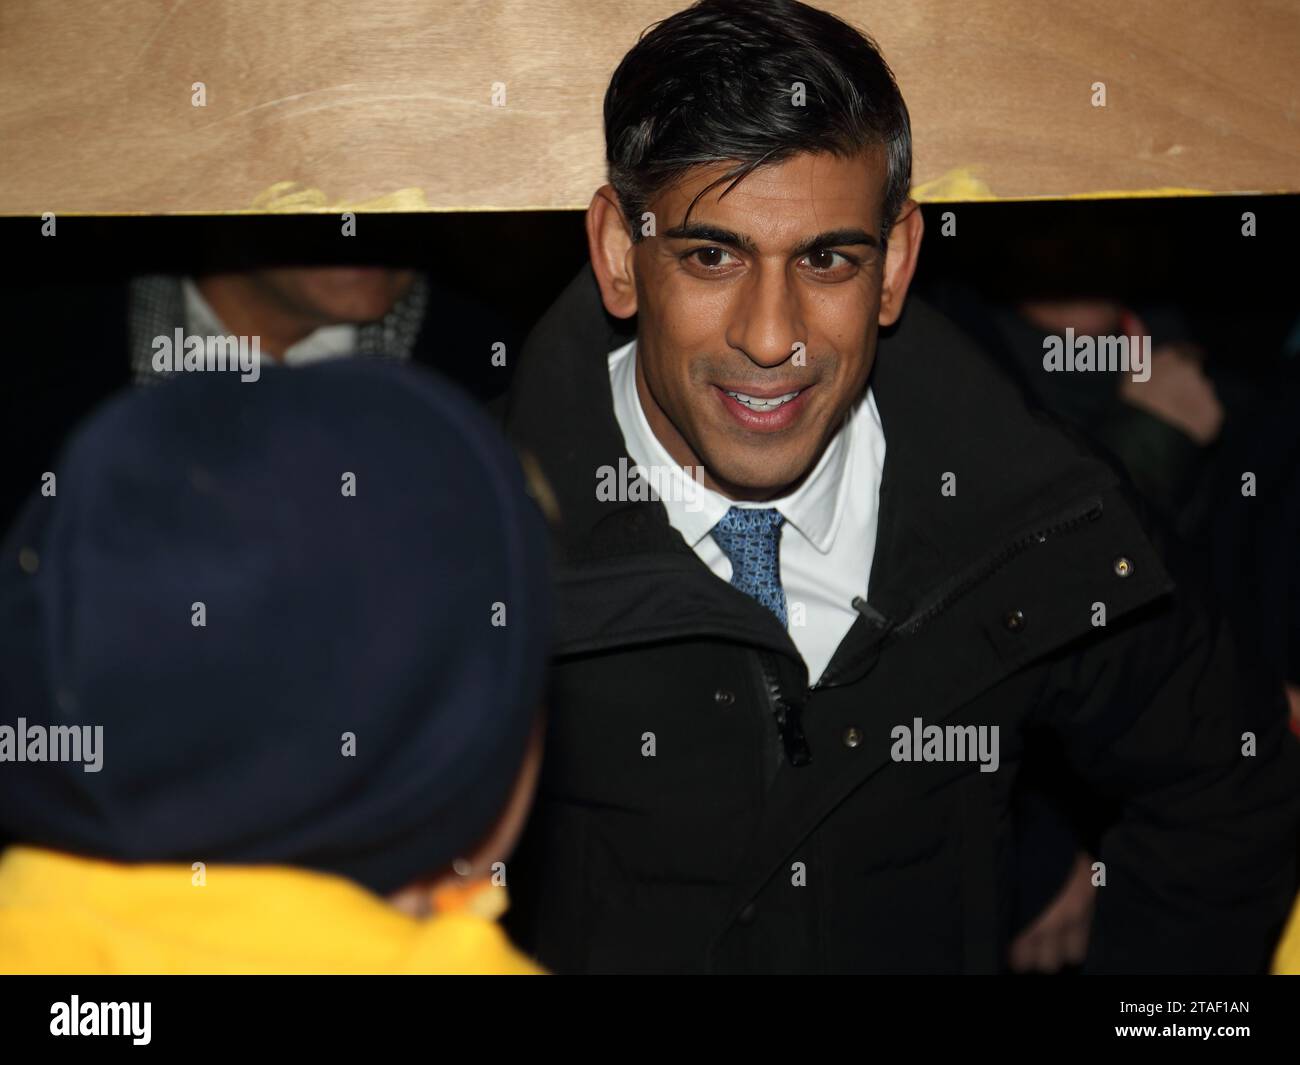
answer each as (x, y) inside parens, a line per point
(245, 310)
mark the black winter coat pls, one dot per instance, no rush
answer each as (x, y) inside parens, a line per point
(771, 830)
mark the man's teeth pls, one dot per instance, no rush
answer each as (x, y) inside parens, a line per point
(763, 404)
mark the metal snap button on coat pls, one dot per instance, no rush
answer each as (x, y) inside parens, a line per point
(1123, 567)
(723, 697)
(1014, 621)
(852, 737)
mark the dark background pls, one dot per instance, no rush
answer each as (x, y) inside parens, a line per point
(1240, 293)
(1239, 296)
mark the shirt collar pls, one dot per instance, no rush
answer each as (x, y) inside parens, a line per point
(814, 509)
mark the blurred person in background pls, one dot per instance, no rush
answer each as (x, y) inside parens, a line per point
(96, 336)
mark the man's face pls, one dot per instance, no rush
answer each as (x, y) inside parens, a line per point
(333, 295)
(757, 318)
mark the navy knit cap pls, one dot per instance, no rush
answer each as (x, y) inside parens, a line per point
(377, 613)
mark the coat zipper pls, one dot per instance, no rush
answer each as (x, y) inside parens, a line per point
(788, 716)
(983, 570)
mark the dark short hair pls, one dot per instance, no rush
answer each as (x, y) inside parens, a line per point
(714, 82)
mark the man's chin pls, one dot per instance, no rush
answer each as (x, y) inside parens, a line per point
(755, 480)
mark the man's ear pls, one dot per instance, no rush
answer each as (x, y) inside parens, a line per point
(900, 261)
(610, 243)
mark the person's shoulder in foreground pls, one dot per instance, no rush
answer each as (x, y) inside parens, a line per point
(1286, 962)
(710, 802)
(60, 913)
(268, 722)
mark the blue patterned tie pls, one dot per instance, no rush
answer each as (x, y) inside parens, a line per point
(751, 540)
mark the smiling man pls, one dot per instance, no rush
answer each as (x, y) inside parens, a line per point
(884, 540)
(793, 255)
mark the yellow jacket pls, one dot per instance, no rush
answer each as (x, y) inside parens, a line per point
(64, 914)
(1286, 962)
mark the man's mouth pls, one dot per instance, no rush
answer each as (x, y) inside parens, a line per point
(771, 413)
(762, 404)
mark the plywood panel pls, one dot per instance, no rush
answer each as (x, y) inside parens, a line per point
(327, 104)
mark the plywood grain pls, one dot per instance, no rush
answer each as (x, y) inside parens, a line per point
(333, 104)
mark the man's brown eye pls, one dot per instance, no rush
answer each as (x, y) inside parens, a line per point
(822, 260)
(709, 256)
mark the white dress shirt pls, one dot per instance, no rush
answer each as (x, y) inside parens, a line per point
(829, 536)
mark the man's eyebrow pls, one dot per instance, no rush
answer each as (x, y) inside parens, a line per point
(836, 238)
(713, 234)
(833, 238)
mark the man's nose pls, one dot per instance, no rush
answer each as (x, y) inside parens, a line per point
(767, 320)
